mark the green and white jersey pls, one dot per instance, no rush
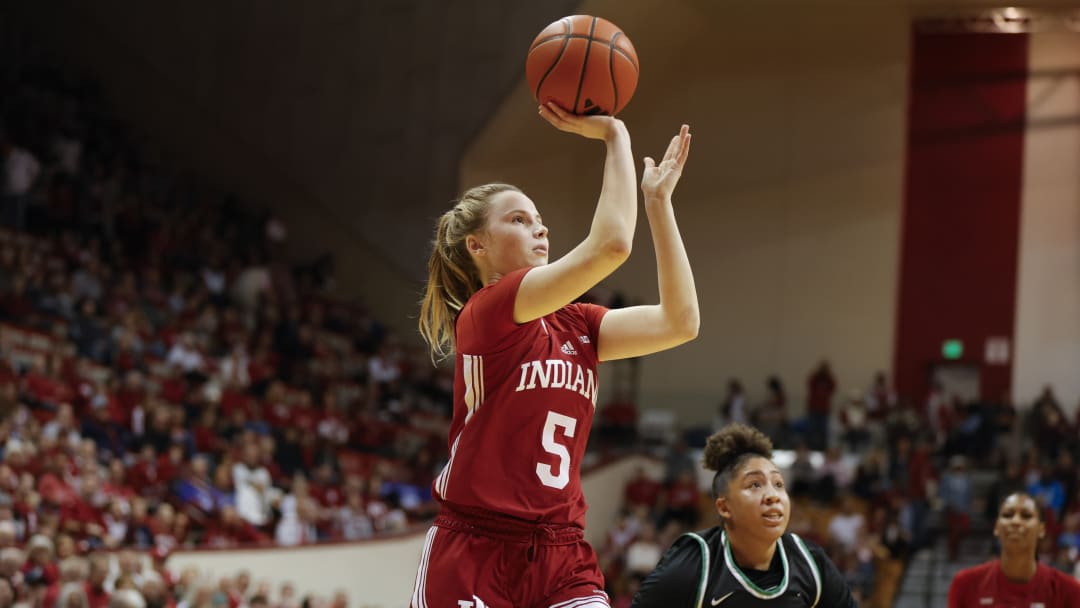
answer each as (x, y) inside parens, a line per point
(698, 571)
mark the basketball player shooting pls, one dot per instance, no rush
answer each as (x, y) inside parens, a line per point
(510, 528)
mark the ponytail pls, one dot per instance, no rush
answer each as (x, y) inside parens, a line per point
(452, 275)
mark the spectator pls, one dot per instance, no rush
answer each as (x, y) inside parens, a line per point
(847, 524)
(681, 499)
(802, 474)
(1047, 490)
(254, 493)
(21, 170)
(644, 552)
(880, 399)
(7, 593)
(855, 423)
(835, 476)
(197, 490)
(733, 407)
(297, 522)
(156, 593)
(96, 594)
(642, 491)
(39, 562)
(231, 530)
(678, 461)
(820, 387)
(127, 598)
(12, 561)
(956, 495)
(771, 416)
(352, 519)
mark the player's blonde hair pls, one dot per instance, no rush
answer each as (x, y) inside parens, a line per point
(452, 275)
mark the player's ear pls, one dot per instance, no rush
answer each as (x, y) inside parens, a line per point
(474, 245)
(722, 508)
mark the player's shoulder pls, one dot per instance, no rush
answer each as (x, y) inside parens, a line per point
(709, 536)
(698, 547)
(801, 544)
(1063, 580)
(488, 315)
(979, 569)
(792, 538)
(682, 573)
(505, 287)
(968, 576)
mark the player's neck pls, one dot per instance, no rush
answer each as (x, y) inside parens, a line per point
(1018, 568)
(752, 555)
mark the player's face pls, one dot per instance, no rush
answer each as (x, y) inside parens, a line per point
(1018, 523)
(515, 236)
(756, 502)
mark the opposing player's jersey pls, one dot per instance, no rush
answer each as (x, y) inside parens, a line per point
(985, 585)
(699, 570)
(524, 396)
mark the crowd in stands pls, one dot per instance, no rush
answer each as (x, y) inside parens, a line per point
(168, 379)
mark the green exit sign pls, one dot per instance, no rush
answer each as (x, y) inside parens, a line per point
(952, 349)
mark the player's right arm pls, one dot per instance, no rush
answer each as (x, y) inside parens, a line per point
(548, 288)
(676, 580)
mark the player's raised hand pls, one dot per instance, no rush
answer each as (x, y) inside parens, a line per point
(658, 180)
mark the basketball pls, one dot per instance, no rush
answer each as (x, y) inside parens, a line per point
(585, 64)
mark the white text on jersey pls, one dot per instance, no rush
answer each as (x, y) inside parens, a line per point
(556, 373)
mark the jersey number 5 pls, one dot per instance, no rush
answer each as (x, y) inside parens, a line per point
(544, 471)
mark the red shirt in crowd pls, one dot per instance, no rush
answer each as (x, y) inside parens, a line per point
(328, 495)
(683, 494)
(47, 389)
(987, 586)
(642, 491)
(96, 596)
(79, 514)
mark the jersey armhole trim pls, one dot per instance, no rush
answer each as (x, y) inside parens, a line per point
(703, 581)
(813, 567)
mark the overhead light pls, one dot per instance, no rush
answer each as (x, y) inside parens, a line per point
(1012, 13)
(1004, 20)
(1011, 20)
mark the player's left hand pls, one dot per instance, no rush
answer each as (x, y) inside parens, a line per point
(658, 180)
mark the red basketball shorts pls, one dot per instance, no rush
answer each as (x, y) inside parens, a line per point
(468, 563)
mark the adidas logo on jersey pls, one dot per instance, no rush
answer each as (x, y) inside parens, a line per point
(475, 603)
(568, 348)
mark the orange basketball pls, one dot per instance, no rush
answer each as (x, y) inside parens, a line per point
(583, 63)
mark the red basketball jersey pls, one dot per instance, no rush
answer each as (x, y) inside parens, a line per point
(985, 585)
(524, 397)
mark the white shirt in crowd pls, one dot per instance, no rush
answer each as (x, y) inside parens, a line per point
(253, 493)
(642, 556)
(291, 530)
(22, 169)
(845, 529)
(184, 357)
